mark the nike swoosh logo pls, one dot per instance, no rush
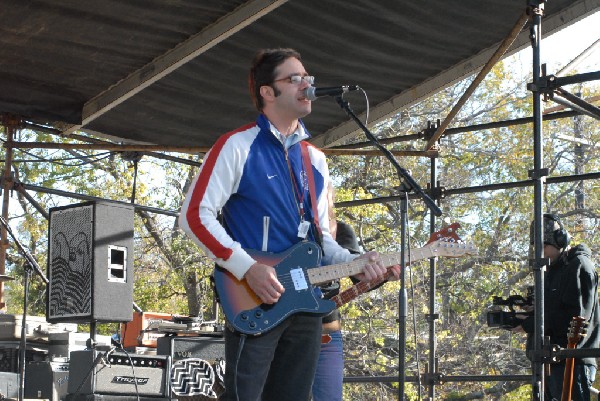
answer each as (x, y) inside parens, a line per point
(271, 176)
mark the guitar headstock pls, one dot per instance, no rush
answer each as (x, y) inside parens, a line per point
(452, 249)
(577, 330)
(446, 242)
(446, 232)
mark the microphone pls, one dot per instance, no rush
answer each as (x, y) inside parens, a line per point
(312, 93)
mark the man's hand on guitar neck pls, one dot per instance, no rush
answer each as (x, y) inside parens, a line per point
(262, 279)
(374, 267)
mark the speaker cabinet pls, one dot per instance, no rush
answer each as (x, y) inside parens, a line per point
(198, 366)
(92, 372)
(90, 263)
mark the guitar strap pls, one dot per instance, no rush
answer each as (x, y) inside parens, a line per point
(312, 191)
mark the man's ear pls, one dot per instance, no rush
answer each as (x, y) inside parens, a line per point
(267, 92)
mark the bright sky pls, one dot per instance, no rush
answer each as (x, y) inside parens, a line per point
(559, 49)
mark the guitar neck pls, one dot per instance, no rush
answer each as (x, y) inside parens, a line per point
(576, 331)
(358, 289)
(567, 389)
(320, 275)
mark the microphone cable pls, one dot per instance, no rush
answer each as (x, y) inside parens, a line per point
(414, 312)
(119, 344)
(367, 102)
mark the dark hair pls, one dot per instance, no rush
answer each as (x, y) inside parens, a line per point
(346, 237)
(553, 235)
(554, 232)
(263, 68)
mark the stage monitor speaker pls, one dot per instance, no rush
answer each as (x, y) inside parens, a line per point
(92, 372)
(90, 263)
(47, 380)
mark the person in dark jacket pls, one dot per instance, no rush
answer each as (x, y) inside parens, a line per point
(571, 290)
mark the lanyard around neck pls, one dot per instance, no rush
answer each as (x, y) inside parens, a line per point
(298, 190)
(311, 187)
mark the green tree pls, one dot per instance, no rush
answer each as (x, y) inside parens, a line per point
(172, 274)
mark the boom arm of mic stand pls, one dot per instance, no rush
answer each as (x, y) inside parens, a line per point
(24, 252)
(409, 181)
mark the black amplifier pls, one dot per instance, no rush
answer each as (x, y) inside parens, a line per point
(47, 379)
(208, 347)
(117, 373)
(112, 397)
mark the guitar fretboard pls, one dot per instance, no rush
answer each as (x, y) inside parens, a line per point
(326, 274)
(358, 289)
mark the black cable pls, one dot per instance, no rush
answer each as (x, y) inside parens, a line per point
(237, 359)
(42, 159)
(412, 295)
(39, 159)
(137, 391)
(135, 173)
(119, 345)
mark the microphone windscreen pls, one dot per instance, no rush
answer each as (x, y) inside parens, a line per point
(309, 93)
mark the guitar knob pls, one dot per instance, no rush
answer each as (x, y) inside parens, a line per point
(244, 316)
(252, 325)
(258, 314)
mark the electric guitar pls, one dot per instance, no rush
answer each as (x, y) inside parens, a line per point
(576, 332)
(296, 271)
(445, 234)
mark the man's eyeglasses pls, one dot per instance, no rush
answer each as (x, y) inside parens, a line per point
(297, 79)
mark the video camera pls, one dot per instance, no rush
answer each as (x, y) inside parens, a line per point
(507, 319)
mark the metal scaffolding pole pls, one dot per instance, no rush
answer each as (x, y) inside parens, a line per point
(432, 370)
(10, 124)
(538, 174)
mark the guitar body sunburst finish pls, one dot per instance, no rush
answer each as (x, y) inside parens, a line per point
(243, 308)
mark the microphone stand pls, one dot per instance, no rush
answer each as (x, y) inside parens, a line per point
(408, 184)
(29, 267)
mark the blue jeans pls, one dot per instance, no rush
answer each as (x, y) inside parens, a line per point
(277, 365)
(583, 378)
(330, 370)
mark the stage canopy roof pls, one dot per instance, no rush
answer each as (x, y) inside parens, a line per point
(173, 72)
